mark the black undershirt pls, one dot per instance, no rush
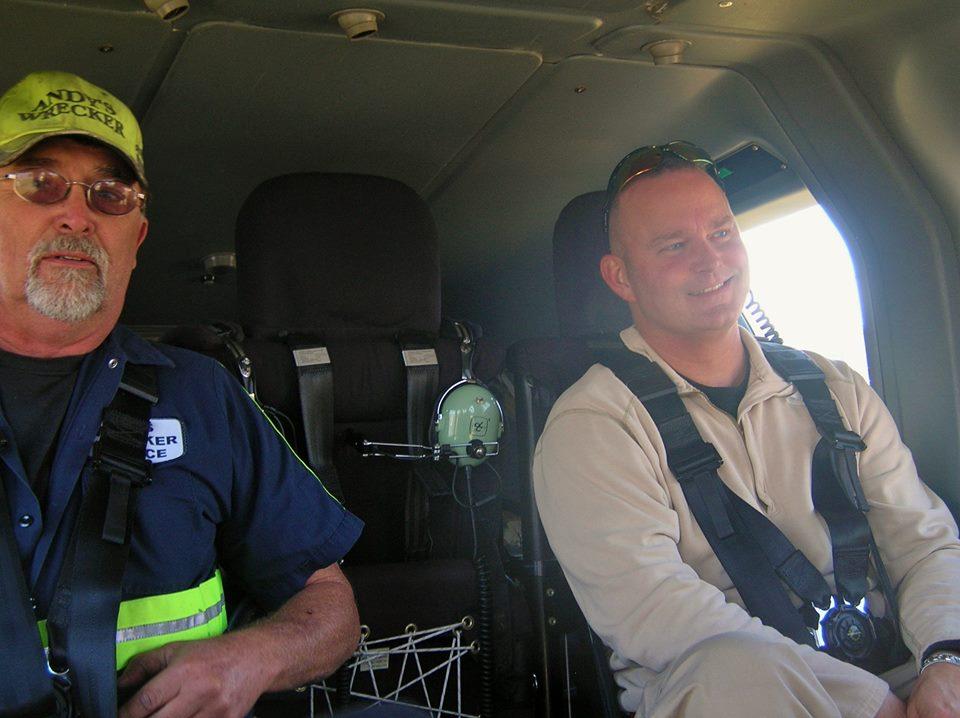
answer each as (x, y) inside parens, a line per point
(34, 394)
(726, 398)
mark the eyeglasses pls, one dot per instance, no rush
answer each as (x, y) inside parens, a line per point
(42, 186)
(648, 159)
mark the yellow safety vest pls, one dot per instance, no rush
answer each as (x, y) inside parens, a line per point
(153, 621)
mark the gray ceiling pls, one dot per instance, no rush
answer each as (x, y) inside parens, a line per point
(497, 112)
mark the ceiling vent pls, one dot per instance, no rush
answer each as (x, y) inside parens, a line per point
(168, 10)
(667, 52)
(358, 23)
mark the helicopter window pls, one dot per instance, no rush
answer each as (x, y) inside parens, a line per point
(803, 281)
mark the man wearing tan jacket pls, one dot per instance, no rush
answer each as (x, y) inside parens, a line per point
(636, 558)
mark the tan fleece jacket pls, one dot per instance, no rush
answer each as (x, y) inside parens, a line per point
(640, 567)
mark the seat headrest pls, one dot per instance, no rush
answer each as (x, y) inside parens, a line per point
(341, 253)
(585, 305)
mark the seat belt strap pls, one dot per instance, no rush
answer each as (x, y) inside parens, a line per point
(315, 381)
(422, 371)
(837, 492)
(83, 614)
(682, 439)
(25, 686)
(800, 370)
(791, 565)
(751, 561)
(422, 385)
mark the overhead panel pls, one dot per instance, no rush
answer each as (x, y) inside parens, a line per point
(592, 6)
(515, 25)
(243, 104)
(810, 17)
(110, 49)
(538, 25)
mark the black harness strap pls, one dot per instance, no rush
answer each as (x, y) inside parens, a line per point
(315, 380)
(790, 564)
(837, 493)
(754, 560)
(83, 617)
(837, 496)
(422, 385)
(25, 687)
(423, 378)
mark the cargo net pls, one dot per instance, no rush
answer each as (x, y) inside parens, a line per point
(429, 676)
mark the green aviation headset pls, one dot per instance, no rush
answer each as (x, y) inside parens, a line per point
(467, 420)
(467, 423)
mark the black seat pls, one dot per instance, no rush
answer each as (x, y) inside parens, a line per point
(339, 290)
(573, 666)
(585, 306)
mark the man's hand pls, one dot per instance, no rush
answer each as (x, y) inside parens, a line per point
(892, 708)
(192, 678)
(937, 693)
(308, 637)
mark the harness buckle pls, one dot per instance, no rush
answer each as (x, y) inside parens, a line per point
(62, 685)
(60, 678)
(846, 630)
(695, 460)
(121, 460)
(847, 441)
(137, 471)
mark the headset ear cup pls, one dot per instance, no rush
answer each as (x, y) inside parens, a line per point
(466, 413)
(441, 430)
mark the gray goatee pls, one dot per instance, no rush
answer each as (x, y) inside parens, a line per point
(65, 293)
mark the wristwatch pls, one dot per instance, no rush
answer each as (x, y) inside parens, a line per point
(940, 657)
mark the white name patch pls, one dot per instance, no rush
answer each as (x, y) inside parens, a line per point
(165, 440)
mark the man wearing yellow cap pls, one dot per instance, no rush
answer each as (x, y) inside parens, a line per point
(130, 473)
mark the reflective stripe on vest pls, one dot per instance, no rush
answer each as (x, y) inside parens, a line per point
(153, 621)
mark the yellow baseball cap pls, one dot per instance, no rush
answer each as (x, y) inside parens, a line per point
(47, 104)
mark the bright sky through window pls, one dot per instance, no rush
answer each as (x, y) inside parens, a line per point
(803, 278)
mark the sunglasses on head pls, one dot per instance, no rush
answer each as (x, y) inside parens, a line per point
(42, 186)
(649, 159)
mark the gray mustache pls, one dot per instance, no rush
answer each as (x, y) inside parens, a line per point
(70, 243)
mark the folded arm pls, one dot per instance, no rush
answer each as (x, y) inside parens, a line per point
(306, 638)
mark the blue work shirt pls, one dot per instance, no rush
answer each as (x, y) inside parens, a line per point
(227, 490)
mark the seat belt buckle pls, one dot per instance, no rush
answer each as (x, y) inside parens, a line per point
(113, 457)
(847, 441)
(844, 463)
(60, 678)
(62, 686)
(699, 459)
(137, 472)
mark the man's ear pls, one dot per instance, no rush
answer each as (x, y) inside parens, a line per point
(144, 225)
(614, 273)
(141, 235)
